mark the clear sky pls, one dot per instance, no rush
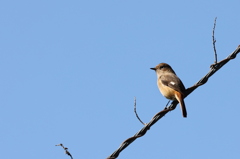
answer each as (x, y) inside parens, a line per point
(70, 71)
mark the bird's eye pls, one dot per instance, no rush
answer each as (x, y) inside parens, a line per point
(162, 67)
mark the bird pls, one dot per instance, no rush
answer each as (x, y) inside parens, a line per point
(170, 85)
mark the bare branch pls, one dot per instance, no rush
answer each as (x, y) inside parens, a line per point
(214, 40)
(135, 111)
(66, 150)
(214, 68)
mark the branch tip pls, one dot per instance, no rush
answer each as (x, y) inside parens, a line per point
(214, 40)
(135, 111)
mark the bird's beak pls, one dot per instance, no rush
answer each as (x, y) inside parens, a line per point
(153, 69)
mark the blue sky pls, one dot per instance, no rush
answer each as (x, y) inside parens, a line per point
(70, 71)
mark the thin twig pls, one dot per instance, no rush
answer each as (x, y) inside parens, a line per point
(173, 105)
(135, 111)
(66, 150)
(214, 40)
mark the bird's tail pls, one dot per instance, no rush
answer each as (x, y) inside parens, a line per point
(182, 104)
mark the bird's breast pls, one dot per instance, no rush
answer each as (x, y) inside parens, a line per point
(166, 91)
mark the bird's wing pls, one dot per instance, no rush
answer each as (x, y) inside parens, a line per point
(173, 82)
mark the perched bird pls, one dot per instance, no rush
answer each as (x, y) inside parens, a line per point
(170, 85)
